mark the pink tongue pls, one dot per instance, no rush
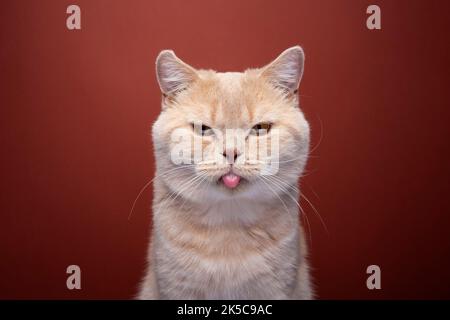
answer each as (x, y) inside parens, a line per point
(230, 180)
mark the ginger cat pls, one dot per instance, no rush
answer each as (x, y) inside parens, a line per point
(225, 227)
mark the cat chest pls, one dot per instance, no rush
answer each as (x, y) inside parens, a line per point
(227, 271)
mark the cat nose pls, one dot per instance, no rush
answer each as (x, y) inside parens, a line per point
(231, 155)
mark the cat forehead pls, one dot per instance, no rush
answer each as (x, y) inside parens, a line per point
(228, 98)
(230, 76)
(223, 79)
(221, 93)
(224, 88)
(228, 83)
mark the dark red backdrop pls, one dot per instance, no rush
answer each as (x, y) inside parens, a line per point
(77, 107)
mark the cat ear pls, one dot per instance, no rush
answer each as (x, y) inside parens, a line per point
(286, 71)
(173, 74)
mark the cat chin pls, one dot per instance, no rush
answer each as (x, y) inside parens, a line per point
(218, 193)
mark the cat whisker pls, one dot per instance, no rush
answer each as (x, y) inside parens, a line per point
(275, 193)
(287, 160)
(317, 212)
(312, 190)
(175, 194)
(193, 189)
(306, 199)
(285, 191)
(165, 173)
(288, 171)
(320, 137)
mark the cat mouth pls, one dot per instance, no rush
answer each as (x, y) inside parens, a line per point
(230, 180)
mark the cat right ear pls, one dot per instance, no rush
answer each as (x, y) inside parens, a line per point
(173, 74)
(286, 71)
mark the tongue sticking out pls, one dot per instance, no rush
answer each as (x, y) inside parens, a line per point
(230, 180)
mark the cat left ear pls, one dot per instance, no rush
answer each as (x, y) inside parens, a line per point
(172, 73)
(286, 71)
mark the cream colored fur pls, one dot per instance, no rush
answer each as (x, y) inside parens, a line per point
(210, 242)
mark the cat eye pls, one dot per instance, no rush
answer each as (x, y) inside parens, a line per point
(203, 130)
(260, 129)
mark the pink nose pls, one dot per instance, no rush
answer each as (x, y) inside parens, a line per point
(231, 155)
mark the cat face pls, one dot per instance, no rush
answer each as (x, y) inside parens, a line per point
(230, 136)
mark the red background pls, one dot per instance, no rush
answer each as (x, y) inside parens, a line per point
(77, 107)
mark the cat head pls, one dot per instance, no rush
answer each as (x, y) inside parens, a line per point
(232, 135)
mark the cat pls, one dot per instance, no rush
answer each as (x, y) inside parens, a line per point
(223, 229)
